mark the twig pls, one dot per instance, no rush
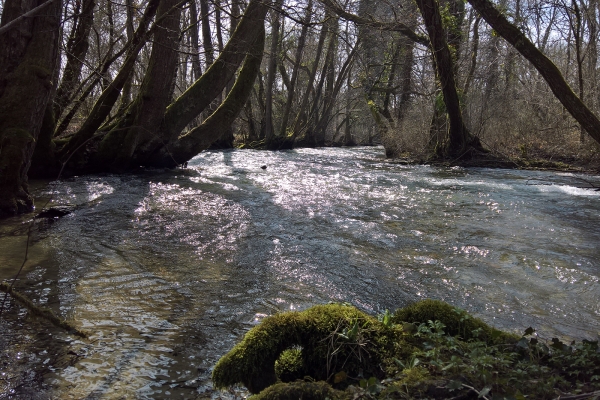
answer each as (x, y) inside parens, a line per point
(476, 391)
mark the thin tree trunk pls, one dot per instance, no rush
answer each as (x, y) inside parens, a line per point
(474, 53)
(206, 36)
(196, 65)
(578, 37)
(77, 47)
(272, 70)
(296, 68)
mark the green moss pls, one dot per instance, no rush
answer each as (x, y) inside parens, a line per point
(333, 338)
(301, 390)
(289, 366)
(457, 322)
(426, 350)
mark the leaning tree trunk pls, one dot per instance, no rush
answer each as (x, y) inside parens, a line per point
(198, 96)
(156, 92)
(561, 89)
(155, 145)
(77, 48)
(28, 56)
(459, 139)
(201, 137)
(110, 94)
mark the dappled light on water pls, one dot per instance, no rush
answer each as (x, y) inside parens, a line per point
(166, 269)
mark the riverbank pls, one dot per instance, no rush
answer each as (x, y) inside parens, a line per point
(426, 350)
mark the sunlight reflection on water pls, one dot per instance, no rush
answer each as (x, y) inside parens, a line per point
(167, 269)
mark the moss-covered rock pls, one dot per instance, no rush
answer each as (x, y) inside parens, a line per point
(457, 321)
(301, 390)
(426, 350)
(332, 338)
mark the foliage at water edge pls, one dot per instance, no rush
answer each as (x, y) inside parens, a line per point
(426, 350)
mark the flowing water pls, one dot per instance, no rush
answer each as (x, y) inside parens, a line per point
(167, 269)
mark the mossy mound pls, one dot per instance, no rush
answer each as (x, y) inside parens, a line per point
(426, 350)
(301, 390)
(457, 322)
(327, 339)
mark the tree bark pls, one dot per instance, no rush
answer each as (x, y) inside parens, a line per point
(459, 138)
(272, 70)
(77, 47)
(28, 57)
(156, 92)
(201, 137)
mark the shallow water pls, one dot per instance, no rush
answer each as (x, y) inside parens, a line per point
(167, 269)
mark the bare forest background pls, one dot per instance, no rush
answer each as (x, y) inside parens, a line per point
(123, 84)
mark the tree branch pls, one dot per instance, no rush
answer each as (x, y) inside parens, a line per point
(30, 13)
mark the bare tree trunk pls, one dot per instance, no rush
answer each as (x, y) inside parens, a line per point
(156, 92)
(28, 56)
(592, 51)
(206, 36)
(296, 68)
(474, 53)
(77, 47)
(441, 132)
(577, 28)
(196, 65)
(272, 70)
(459, 139)
(201, 137)
(226, 140)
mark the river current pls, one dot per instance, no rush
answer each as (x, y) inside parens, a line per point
(167, 269)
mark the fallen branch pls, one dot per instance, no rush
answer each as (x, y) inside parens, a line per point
(44, 313)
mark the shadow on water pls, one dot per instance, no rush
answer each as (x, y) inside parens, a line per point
(167, 269)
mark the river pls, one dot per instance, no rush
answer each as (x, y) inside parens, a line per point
(167, 269)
